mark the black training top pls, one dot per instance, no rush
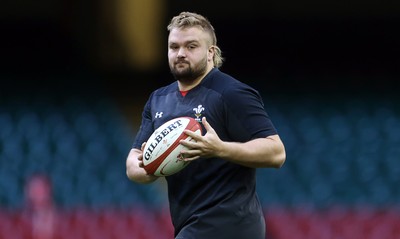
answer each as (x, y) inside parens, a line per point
(213, 198)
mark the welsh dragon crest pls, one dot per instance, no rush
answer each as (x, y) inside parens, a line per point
(198, 112)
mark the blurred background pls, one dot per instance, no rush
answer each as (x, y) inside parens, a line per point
(75, 76)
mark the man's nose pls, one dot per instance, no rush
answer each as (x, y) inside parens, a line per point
(181, 52)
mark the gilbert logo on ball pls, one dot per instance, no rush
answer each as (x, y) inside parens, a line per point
(161, 155)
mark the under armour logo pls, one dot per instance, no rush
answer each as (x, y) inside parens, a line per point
(158, 114)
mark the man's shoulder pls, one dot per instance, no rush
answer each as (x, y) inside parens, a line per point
(219, 81)
(225, 84)
(220, 76)
(164, 90)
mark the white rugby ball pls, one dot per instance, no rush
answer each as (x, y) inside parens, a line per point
(161, 154)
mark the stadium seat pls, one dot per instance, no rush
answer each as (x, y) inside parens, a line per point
(340, 153)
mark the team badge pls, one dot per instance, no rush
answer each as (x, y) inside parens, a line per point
(198, 112)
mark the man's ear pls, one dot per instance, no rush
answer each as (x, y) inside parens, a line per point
(211, 53)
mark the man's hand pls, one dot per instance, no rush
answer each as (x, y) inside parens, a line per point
(140, 156)
(205, 146)
(135, 167)
(256, 153)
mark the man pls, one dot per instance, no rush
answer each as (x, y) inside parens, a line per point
(40, 209)
(215, 195)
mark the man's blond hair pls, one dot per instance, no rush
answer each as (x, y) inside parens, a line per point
(189, 19)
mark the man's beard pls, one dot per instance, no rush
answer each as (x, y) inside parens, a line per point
(189, 74)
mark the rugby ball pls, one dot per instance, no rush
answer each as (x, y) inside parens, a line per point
(161, 154)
